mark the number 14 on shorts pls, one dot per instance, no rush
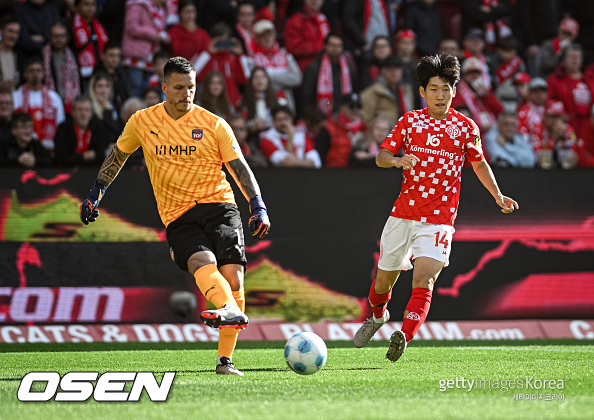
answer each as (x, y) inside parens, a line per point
(443, 240)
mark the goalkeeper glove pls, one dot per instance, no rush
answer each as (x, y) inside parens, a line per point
(259, 222)
(88, 208)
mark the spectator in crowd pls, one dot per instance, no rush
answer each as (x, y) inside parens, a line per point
(36, 17)
(365, 150)
(188, 40)
(464, 110)
(312, 122)
(557, 135)
(425, 20)
(224, 55)
(258, 100)
(531, 114)
(329, 78)
(250, 150)
(472, 92)
(335, 140)
(61, 69)
(474, 46)
(450, 46)
(104, 110)
(151, 95)
(504, 65)
(129, 108)
(306, 32)
(551, 50)
(506, 146)
(214, 95)
(243, 30)
(157, 78)
(405, 50)
(569, 85)
(79, 141)
(537, 22)
(110, 64)
(286, 146)
(22, 149)
(5, 114)
(488, 15)
(386, 97)
(362, 21)
(87, 38)
(9, 65)
(144, 34)
(380, 50)
(281, 66)
(43, 104)
(521, 85)
(225, 11)
(585, 145)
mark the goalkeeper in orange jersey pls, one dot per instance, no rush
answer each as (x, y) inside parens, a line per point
(185, 147)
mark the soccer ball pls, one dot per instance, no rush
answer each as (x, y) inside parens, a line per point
(306, 353)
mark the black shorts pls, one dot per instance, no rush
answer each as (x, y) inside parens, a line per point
(214, 227)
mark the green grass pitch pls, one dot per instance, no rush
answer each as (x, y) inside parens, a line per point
(354, 384)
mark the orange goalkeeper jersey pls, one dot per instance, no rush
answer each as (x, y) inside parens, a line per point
(184, 157)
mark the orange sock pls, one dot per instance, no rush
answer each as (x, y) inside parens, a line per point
(214, 286)
(228, 336)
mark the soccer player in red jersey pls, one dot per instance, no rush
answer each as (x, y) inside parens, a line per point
(436, 140)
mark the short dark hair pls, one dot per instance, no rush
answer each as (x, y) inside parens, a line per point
(81, 98)
(184, 3)
(508, 43)
(147, 89)
(330, 35)
(163, 54)
(220, 29)
(20, 118)
(177, 65)
(111, 45)
(445, 66)
(33, 60)
(7, 21)
(281, 108)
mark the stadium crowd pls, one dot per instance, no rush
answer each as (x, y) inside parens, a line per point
(303, 83)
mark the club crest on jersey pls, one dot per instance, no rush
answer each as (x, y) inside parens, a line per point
(453, 131)
(197, 134)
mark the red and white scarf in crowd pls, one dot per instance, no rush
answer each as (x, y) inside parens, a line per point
(44, 118)
(367, 14)
(83, 139)
(272, 57)
(355, 126)
(321, 20)
(71, 79)
(480, 113)
(502, 29)
(507, 70)
(160, 21)
(324, 89)
(82, 39)
(248, 40)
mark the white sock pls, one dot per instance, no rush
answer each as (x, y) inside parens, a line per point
(379, 320)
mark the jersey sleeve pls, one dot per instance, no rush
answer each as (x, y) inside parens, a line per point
(128, 141)
(228, 145)
(397, 136)
(473, 146)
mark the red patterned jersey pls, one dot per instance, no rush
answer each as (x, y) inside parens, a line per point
(431, 190)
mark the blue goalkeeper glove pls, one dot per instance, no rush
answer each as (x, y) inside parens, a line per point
(259, 222)
(88, 208)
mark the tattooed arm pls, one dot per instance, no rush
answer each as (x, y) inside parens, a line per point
(244, 177)
(111, 166)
